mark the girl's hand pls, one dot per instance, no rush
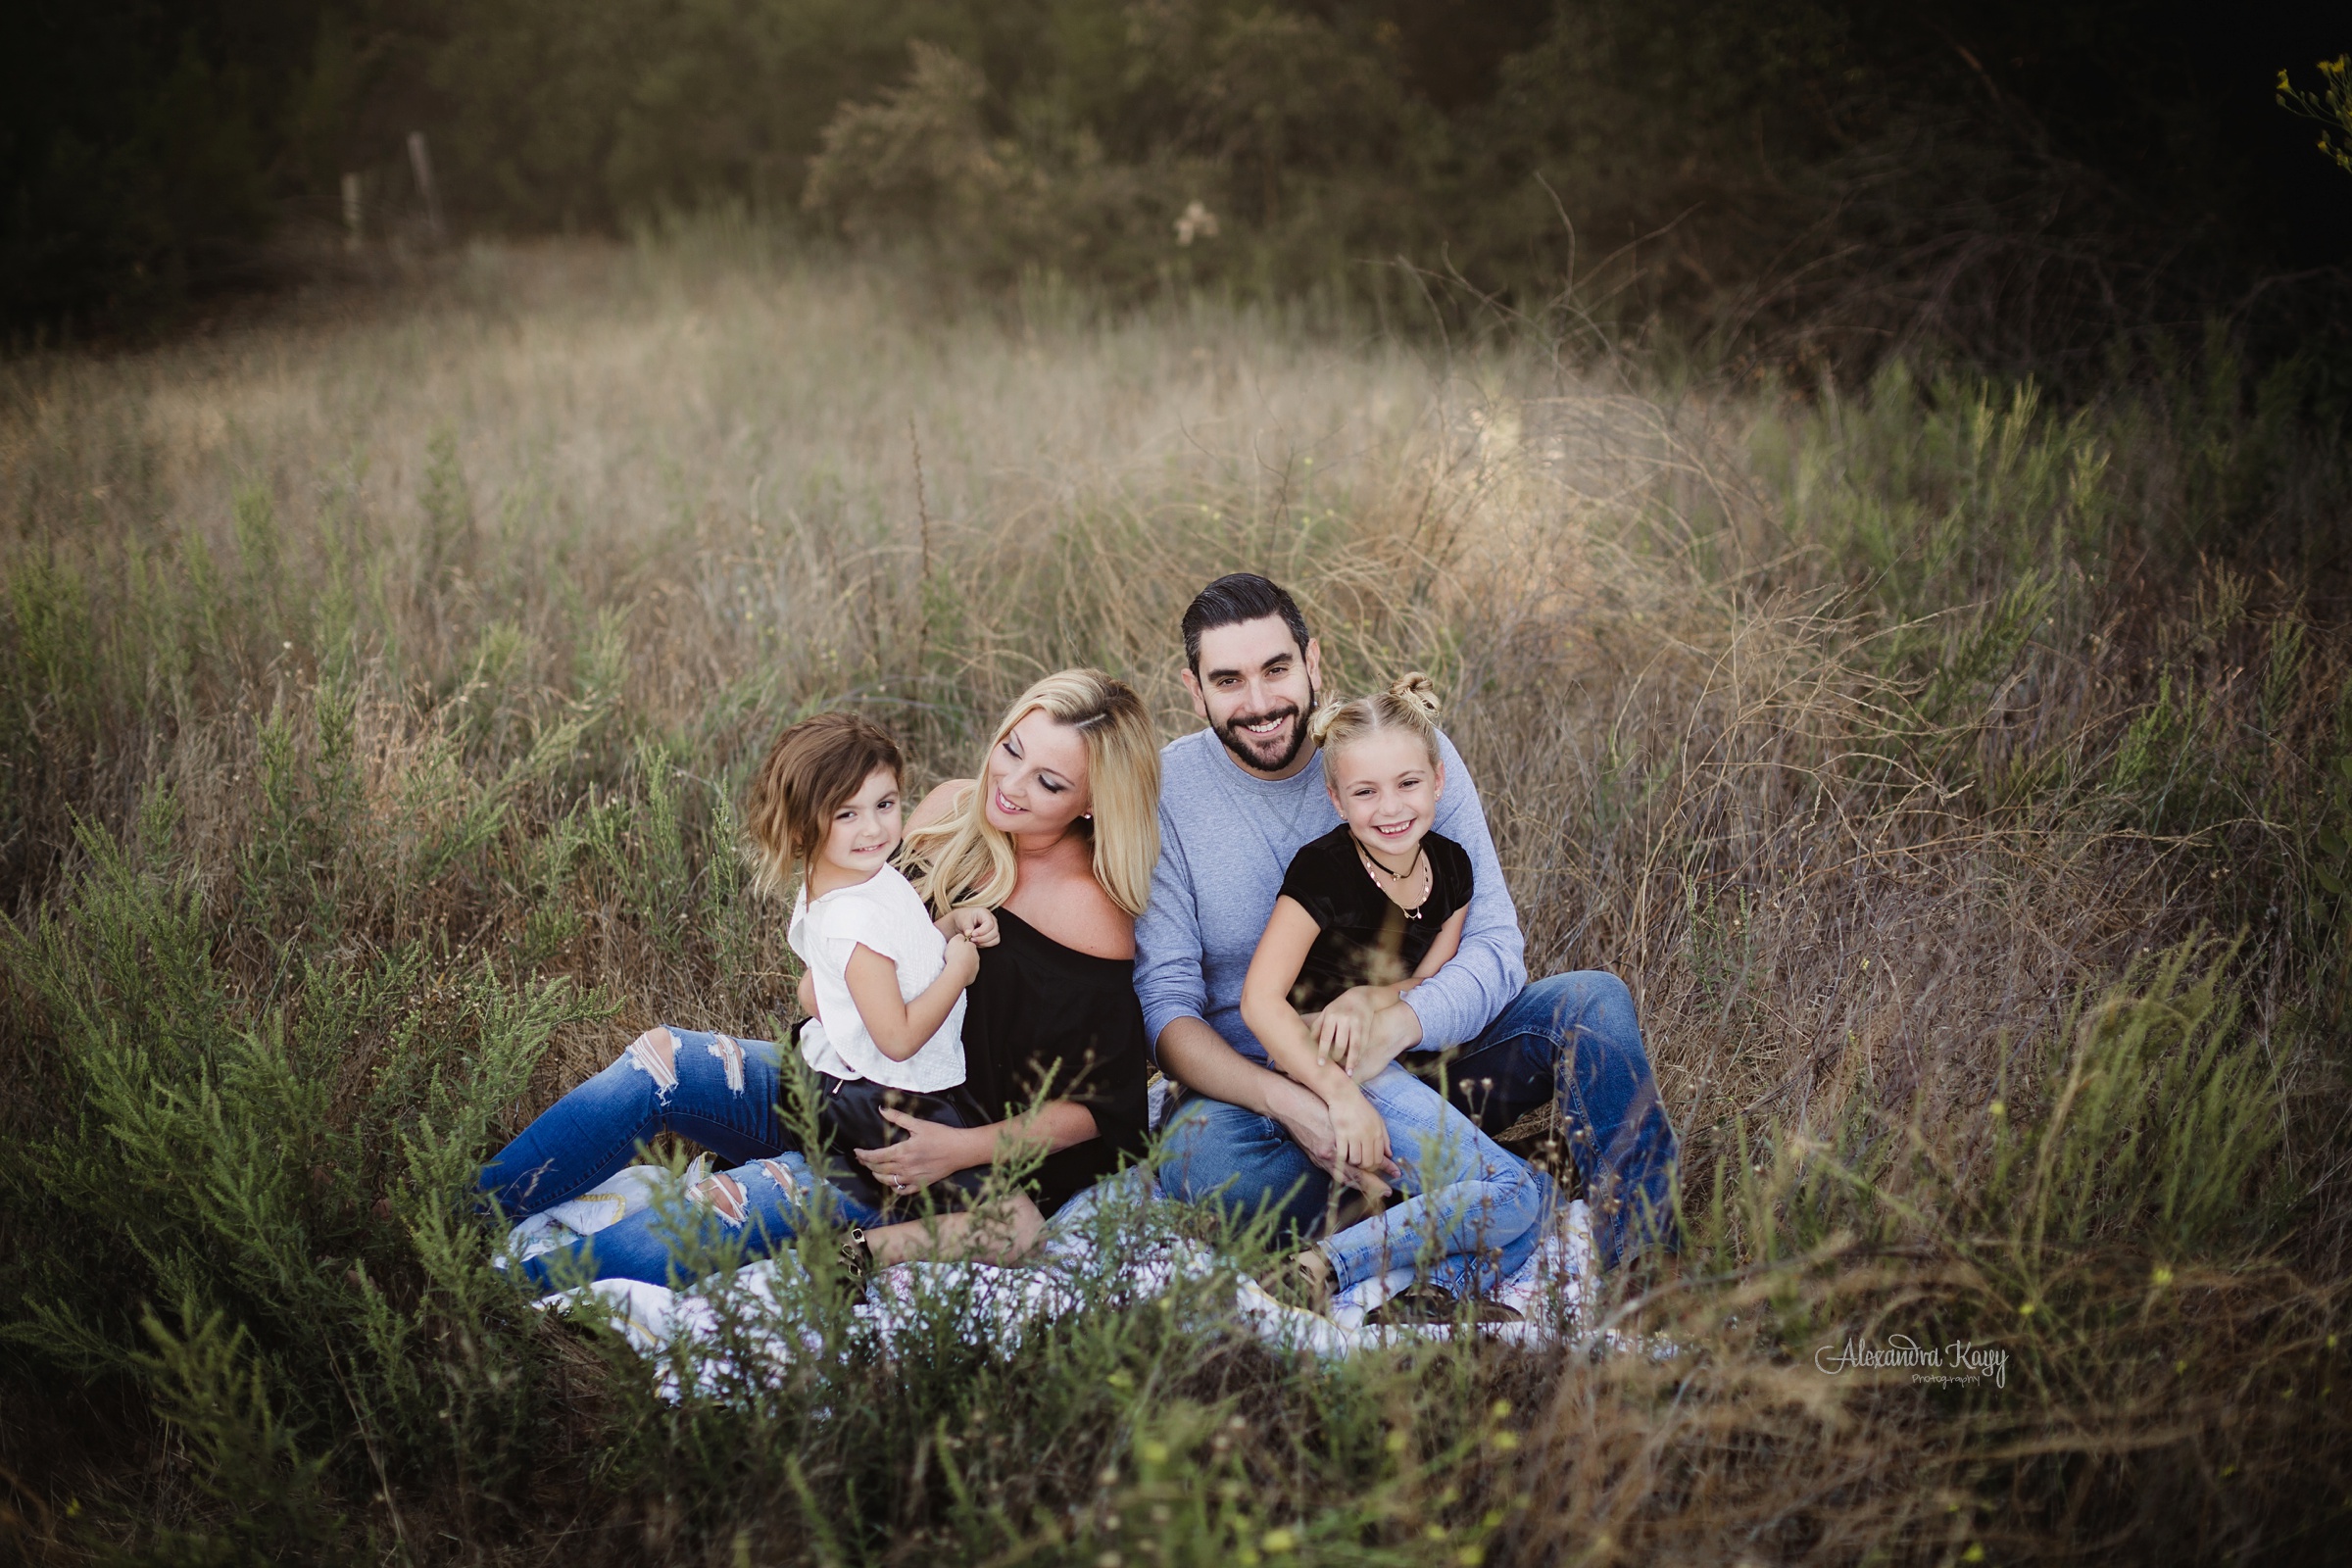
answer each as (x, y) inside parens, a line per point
(1381, 1042)
(928, 1152)
(976, 923)
(1335, 1037)
(1360, 1133)
(963, 959)
(1345, 1024)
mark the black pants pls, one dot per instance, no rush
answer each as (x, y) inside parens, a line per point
(849, 1118)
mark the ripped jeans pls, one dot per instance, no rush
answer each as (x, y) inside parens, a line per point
(719, 1091)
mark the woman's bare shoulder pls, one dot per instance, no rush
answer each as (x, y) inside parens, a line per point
(1074, 911)
(938, 803)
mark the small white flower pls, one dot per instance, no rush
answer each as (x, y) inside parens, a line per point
(1197, 222)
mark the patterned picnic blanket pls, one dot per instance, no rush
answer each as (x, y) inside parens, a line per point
(1553, 1291)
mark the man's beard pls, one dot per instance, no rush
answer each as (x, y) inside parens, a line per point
(1239, 744)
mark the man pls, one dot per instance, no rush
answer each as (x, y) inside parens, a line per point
(1237, 800)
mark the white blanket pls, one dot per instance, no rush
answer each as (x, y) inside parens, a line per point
(1554, 1291)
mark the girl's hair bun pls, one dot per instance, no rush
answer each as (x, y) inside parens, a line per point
(1418, 690)
(1410, 703)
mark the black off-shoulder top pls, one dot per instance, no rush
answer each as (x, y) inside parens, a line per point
(1042, 1014)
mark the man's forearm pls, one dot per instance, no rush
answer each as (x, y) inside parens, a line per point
(1198, 1058)
(1400, 1027)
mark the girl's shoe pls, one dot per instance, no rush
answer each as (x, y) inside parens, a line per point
(1434, 1303)
(857, 1262)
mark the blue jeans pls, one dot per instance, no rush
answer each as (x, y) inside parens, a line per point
(1470, 1219)
(1568, 1038)
(714, 1089)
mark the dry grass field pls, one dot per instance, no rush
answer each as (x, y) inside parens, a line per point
(1964, 799)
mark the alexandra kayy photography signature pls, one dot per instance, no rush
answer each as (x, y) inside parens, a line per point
(1961, 1361)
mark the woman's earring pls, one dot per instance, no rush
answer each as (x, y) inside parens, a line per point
(1086, 817)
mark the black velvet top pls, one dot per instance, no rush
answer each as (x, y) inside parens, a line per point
(1040, 1015)
(1366, 940)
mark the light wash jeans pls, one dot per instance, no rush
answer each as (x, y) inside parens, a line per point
(719, 1091)
(1570, 1039)
(1469, 1221)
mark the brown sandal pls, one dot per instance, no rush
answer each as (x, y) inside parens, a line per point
(856, 1261)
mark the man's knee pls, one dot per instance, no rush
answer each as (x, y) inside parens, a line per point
(1593, 1000)
(1608, 992)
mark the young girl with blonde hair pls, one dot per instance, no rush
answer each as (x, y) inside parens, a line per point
(1366, 912)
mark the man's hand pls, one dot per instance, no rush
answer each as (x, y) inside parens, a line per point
(1363, 1136)
(1305, 1117)
(1198, 1057)
(1308, 1120)
(1393, 1031)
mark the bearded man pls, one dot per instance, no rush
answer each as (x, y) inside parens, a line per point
(1238, 800)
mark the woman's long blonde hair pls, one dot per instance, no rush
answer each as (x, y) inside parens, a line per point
(961, 860)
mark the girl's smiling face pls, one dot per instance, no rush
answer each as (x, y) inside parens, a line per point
(862, 831)
(1036, 778)
(1386, 786)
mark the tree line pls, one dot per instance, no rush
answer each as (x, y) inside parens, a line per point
(1789, 181)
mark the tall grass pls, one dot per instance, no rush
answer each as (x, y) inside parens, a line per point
(1966, 809)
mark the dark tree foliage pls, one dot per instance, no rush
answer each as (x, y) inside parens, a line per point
(1798, 181)
(138, 145)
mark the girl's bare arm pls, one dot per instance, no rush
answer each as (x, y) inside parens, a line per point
(901, 1027)
(1363, 1138)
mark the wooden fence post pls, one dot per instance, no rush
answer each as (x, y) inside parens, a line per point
(422, 162)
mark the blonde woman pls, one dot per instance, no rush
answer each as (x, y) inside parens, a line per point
(1057, 836)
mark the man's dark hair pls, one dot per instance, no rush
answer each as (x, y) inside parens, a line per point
(1233, 598)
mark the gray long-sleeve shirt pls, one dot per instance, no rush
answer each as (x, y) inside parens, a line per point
(1225, 839)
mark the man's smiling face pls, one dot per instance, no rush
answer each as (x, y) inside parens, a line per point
(1256, 686)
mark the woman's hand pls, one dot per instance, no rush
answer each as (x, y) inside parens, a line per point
(928, 1152)
(974, 924)
(1361, 1135)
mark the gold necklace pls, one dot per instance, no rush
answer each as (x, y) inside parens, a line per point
(1397, 879)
